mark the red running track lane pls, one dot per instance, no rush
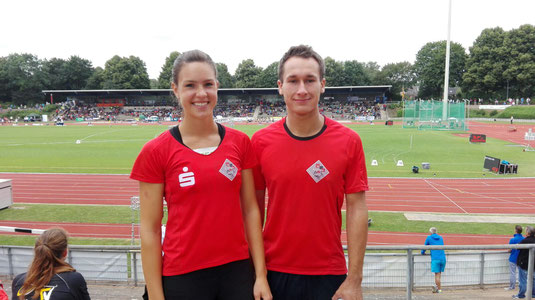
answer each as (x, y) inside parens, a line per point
(124, 231)
(502, 196)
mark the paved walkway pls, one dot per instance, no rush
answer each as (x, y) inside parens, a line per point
(125, 292)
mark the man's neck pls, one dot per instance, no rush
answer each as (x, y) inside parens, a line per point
(305, 126)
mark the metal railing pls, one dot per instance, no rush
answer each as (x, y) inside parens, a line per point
(467, 265)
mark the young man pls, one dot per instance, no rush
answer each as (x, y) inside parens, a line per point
(513, 256)
(308, 163)
(438, 258)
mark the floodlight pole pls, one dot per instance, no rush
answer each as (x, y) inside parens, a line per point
(447, 69)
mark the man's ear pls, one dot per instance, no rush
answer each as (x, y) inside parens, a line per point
(279, 84)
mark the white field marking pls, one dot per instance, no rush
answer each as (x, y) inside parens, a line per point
(425, 180)
(493, 198)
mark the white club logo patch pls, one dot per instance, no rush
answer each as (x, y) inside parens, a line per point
(317, 171)
(229, 170)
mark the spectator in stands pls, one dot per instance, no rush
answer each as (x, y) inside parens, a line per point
(438, 258)
(49, 275)
(522, 263)
(204, 171)
(308, 163)
(513, 257)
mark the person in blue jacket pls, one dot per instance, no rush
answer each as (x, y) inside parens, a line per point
(513, 256)
(438, 257)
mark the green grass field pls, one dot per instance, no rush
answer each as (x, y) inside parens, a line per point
(113, 149)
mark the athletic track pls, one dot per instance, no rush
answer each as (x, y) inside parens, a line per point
(499, 196)
(464, 196)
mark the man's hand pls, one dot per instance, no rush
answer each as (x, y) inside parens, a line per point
(349, 290)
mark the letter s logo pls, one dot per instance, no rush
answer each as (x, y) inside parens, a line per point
(186, 179)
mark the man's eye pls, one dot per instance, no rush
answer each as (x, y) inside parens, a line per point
(189, 85)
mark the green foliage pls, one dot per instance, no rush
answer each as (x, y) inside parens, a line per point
(247, 74)
(520, 69)
(400, 75)
(96, 80)
(50, 108)
(486, 64)
(430, 65)
(268, 77)
(477, 113)
(493, 113)
(164, 80)
(354, 74)
(226, 81)
(518, 112)
(334, 72)
(21, 79)
(125, 73)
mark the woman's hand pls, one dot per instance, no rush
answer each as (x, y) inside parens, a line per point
(261, 289)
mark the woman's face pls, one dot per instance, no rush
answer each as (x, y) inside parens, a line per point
(197, 90)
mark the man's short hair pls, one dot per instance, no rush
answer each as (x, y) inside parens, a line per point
(518, 229)
(433, 230)
(530, 231)
(302, 51)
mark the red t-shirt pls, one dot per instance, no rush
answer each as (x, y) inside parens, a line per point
(205, 226)
(306, 180)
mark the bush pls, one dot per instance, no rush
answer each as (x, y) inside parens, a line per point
(518, 112)
(493, 113)
(477, 113)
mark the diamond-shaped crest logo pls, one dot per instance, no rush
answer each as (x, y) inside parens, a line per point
(317, 171)
(229, 170)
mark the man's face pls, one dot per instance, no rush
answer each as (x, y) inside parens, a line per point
(301, 85)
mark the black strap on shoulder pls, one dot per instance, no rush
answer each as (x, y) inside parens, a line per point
(175, 132)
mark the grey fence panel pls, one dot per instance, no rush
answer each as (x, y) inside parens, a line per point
(385, 270)
(109, 265)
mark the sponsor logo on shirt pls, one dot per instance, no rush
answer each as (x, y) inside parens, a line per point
(317, 171)
(229, 170)
(186, 178)
(46, 292)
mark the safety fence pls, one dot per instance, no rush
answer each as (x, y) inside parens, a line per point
(384, 266)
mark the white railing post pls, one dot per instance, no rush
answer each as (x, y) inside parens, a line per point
(530, 273)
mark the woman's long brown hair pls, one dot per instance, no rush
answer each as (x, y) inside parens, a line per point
(48, 260)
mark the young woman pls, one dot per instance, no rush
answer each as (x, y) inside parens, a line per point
(49, 276)
(204, 171)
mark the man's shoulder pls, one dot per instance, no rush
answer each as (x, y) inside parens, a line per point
(266, 131)
(334, 126)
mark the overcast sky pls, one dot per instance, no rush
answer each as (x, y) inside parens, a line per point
(383, 31)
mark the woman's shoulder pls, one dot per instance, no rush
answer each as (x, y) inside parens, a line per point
(72, 276)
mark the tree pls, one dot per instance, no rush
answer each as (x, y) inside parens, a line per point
(334, 72)
(21, 78)
(55, 78)
(164, 80)
(430, 66)
(486, 64)
(223, 76)
(400, 75)
(269, 76)
(520, 70)
(96, 80)
(247, 74)
(125, 73)
(372, 69)
(77, 72)
(354, 74)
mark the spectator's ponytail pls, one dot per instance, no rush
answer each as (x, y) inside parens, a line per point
(49, 258)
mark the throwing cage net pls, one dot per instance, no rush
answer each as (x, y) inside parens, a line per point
(430, 115)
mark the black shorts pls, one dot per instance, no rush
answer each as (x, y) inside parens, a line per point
(232, 281)
(285, 286)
